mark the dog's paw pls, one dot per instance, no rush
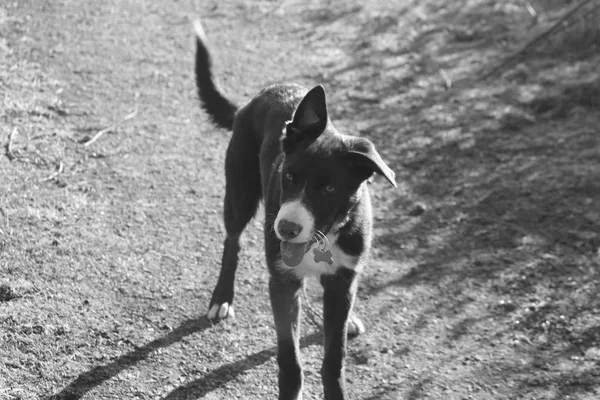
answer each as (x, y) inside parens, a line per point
(355, 326)
(221, 311)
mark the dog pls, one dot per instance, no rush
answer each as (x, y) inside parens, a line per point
(313, 181)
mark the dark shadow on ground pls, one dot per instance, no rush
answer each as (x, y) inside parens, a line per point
(220, 376)
(96, 376)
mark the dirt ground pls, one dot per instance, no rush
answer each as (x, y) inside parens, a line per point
(485, 279)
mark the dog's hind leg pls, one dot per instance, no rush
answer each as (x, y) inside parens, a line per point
(242, 195)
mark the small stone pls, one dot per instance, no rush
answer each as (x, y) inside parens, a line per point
(38, 329)
(417, 210)
(7, 293)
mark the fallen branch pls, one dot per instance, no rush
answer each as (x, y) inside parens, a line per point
(111, 128)
(536, 40)
(58, 171)
(11, 137)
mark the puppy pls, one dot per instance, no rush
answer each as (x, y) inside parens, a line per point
(313, 182)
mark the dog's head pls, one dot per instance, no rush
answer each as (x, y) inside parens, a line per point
(323, 172)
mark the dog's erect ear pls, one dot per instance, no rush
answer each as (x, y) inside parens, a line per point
(366, 160)
(310, 119)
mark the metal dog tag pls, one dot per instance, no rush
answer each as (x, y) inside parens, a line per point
(323, 256)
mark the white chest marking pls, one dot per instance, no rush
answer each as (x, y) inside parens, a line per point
(309, 267)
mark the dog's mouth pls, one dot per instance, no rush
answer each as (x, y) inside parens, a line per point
(293, 253)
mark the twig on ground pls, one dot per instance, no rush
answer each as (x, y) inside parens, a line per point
(58, 171)
(446, 78)
(535, 41)
(11, 137)
(534, 15)
(530, 9)
(112, 127)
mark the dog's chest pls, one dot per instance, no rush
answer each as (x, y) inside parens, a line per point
(319, 260)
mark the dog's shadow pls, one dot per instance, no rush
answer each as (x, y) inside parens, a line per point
(199, 387)
(96, 376)
(220, 376)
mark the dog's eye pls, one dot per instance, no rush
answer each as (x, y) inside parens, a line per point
(289, 176)
(330, 189)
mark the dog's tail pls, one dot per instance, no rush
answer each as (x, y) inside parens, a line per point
(220, 109)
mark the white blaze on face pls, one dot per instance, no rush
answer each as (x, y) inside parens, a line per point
(294, 211)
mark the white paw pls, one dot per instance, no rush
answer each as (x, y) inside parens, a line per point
(355, 326)
(199, 30)
(221, 311)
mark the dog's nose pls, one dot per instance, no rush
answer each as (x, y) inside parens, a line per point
(288, 229)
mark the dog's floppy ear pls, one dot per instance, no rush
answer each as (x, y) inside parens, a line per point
(310, 119)
(366, 160)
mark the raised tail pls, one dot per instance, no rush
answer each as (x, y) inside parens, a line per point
(220, 109)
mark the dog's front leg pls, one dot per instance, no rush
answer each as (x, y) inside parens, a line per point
(285, 301)
(338, 297)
